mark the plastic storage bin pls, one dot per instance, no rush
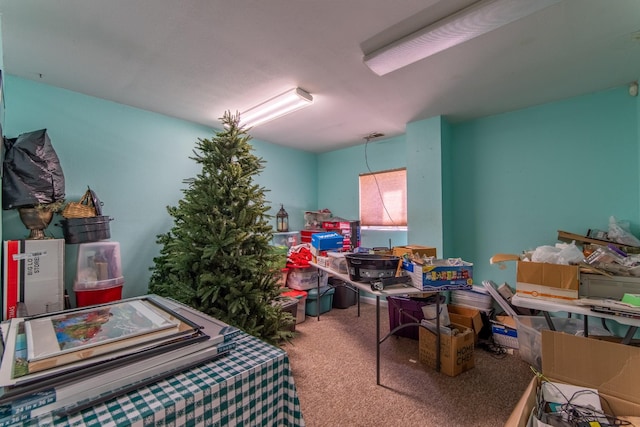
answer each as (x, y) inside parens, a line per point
(326, 300)
(103, 292)
(303, 279)
(98, 261)
(289, 304)
(407, 310)
(344, 296)
(286, 238)
(530, 334)
(99, 273)
(301, 296)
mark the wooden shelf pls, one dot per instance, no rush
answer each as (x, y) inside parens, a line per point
(566, 236)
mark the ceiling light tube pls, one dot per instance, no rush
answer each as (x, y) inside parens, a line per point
(276, 107)
(473, 21)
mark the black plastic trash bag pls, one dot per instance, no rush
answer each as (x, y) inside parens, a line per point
(32, 173)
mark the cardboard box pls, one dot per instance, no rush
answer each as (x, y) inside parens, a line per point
(505, 336)
(611, 368)
(456, 352)
(439, 275)
(350, 230)
(414, 249)
(467, 317)
(327, 241)
(34, 275)
(554, 282)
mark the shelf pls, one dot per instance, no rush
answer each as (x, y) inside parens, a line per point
(566, 236)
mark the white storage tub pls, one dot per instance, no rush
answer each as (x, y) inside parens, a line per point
(303, 279)
(476, 298)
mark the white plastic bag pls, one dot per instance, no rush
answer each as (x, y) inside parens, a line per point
(561, 253)
(618, 234)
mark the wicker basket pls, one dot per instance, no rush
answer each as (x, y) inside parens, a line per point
(85, 208)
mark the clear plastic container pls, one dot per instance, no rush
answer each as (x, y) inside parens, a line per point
(530, 334)
(288, 238)
(303, 279)
(99, 266)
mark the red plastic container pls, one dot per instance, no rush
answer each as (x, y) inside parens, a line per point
(305, 235)
(86, 297)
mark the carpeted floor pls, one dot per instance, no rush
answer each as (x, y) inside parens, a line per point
(334, 366)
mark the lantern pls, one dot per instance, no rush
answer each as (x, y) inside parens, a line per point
(282, 220)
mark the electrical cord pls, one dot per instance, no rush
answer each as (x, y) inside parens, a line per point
(576, 415)
(493, 348)
(366, 161)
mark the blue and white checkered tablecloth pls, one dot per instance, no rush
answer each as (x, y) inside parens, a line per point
(251, 386)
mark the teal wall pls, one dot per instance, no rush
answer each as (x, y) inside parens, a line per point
(135, 161)
(338, 173)
(507, 182)
(522, 176)
(425, 165)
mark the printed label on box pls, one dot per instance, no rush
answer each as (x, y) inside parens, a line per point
(439, 275)
(33, 275)
(456, 352)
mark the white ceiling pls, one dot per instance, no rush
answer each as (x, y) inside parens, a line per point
(195, 59)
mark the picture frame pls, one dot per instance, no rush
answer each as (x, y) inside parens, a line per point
(94, 329)
(16, 369)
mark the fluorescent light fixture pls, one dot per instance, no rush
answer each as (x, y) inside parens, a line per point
(473, 21)
(285, 103)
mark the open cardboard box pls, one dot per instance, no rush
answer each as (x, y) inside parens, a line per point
(547, 281)
(611, 368)
(464, 316)
(554, 282)
(456, 352)
(418, 250)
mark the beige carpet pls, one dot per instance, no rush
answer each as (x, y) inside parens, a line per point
(334, 366)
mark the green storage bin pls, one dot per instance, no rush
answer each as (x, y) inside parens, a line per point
(326, 300)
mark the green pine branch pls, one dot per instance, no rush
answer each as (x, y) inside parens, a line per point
(217, 256)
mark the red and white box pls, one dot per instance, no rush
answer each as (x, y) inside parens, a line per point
(34, 275)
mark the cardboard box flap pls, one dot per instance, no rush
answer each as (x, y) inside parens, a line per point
(468, 317)
(520, 414)
(414, 250)
(554, 275)
(612, 368)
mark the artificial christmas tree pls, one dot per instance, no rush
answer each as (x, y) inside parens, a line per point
(217, 257)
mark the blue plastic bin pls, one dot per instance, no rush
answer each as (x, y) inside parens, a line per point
(326, 300)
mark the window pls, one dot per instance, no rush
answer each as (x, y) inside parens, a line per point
(383, 199)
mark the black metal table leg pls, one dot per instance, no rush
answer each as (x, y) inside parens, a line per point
(438, 332)
(318, 294)
(378, 339)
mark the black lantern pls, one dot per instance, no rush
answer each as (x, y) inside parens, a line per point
(282, 220)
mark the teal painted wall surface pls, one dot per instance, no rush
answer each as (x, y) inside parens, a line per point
(424, 183)
(509, 182)
(136, 162)
(522, 176)
(338, 173)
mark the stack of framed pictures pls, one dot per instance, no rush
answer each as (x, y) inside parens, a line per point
(66, 361)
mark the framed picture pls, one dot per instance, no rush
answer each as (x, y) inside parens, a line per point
(89, 330)
(48, 345)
